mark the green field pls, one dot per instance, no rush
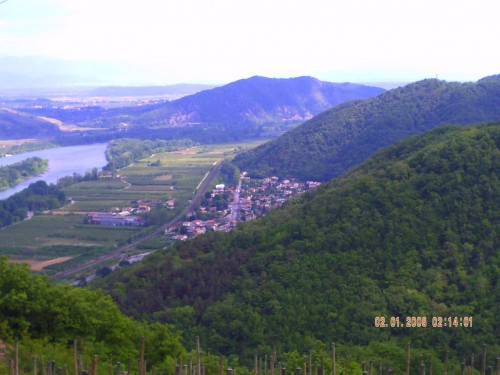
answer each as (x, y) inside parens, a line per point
(48, 230)
(170, 175)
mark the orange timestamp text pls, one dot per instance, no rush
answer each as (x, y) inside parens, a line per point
(423, 321)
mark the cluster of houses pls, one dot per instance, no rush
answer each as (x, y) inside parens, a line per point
(220, 210)
(170, 203)
(254, 198)
(214, 219)
(258, 196)
(190, 229)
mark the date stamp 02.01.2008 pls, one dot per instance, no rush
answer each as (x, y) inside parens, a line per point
(424, 321)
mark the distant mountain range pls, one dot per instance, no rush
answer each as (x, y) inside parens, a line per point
(330, 143)
(260, 100)
(235, 111)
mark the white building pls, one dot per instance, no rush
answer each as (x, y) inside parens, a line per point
(220, 187)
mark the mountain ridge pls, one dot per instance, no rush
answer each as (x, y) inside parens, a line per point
(254, 101)
(347, 134)
(245, 109)
(15, 124)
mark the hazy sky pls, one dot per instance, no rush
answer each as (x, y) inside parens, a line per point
(217, 41)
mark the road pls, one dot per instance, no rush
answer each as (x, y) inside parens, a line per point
(118, 253)
(236, 202)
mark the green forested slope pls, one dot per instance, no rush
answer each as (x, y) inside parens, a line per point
(12, 174)
(15, 125)
(46, 318)
(246, 102)
(265, 100)
(411, 232)
(335, 140)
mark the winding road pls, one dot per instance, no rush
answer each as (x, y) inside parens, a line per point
(236, 202)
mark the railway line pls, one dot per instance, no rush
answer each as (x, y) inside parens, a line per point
(120, 252)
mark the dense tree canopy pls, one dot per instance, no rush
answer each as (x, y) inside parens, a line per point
(48, 317)
(330, 143)
(12, 174)
(411, 232)
(38, 196)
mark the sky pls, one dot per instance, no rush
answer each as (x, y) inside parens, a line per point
(219, 41)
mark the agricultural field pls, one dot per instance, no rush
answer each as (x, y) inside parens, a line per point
(160, 177)
(69, 230)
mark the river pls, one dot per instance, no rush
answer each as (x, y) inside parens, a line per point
(63, 161)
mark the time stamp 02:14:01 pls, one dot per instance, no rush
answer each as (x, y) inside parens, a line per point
(423, 321)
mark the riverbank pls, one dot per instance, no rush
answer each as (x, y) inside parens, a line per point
(62, 161)
(13, 174)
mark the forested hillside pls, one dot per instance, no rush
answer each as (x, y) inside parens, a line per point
(15, 124)
(344, 136)
(261, 100)
(47, 317)
(412, 232)
(250, 102)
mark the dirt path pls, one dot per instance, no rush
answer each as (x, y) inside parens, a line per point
(125, 182)
(38, 265)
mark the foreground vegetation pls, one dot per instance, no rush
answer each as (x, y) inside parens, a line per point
(412, 232)
(49, 326)
(47, 317)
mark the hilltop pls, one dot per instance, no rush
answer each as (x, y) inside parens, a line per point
(339, 138)
(264, 100)
(412, 232)
(240, 107)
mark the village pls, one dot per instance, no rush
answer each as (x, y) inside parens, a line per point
(219, 210)
(225, 206)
